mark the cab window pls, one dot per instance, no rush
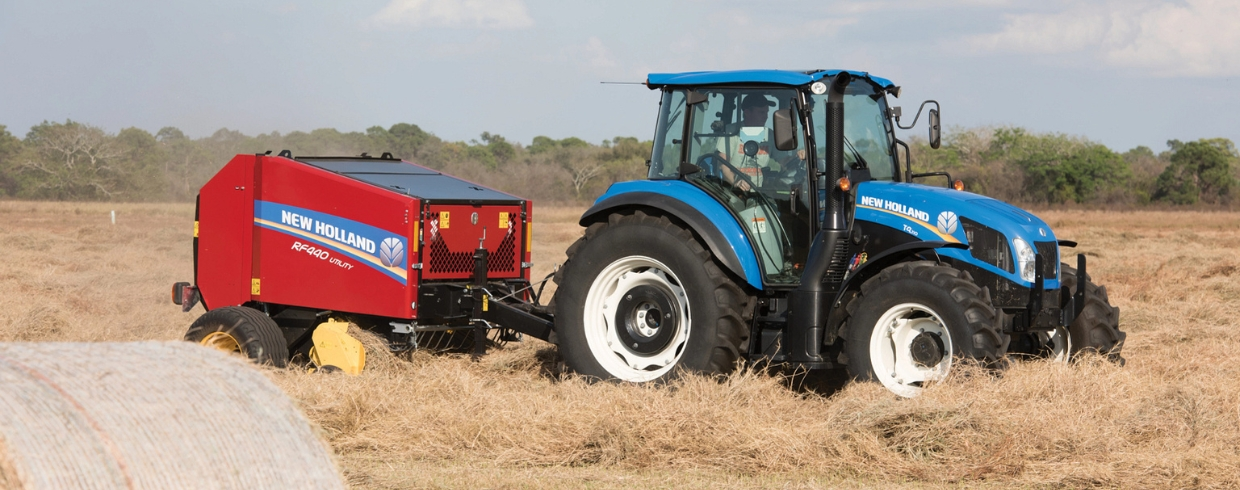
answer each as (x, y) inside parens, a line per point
(731, 142)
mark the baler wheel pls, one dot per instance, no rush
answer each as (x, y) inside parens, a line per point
(640, 299)
(243, 330)
(914, 321)
(1096, 329)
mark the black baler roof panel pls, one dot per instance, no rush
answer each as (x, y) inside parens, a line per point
(368, 166)
(410, 179)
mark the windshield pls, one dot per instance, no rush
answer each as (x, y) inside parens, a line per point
(867, 133)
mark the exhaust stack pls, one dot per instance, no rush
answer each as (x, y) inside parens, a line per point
(808, 303)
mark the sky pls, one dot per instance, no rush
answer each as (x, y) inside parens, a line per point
(1120, 72)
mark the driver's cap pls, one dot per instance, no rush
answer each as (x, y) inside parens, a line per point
(756, 100)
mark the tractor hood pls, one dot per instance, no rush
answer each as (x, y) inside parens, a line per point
(935, 213)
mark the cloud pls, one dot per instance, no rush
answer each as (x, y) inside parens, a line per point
(459, 14)
(594, 54)
(887, 6)
(1190, 38)
(829, 27)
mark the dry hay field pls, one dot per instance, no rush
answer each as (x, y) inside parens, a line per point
(1170, 418)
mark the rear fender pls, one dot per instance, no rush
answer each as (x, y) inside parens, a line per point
(888, 258)
(708, 219)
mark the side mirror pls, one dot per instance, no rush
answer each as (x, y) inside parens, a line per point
(785, 130)
(936, 135)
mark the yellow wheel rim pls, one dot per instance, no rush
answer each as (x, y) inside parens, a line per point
(221, 341)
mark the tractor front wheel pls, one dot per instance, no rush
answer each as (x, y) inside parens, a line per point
(913, 321)
(243, 330)
(639, 299)
(1096, 329)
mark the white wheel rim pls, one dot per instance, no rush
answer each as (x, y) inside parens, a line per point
(1058, 344)
(609, 300)
(890, 348)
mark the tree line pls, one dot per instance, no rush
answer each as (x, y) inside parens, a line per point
(1017, 165)
(80, 162)
(77, 161)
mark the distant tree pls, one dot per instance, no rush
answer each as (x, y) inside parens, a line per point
(625, 158)
(499, 147)
(582, 165)
(967, 155)
(542, 144)
(187, 165)
(71, 161)
(628, 148)
(583, 171)
(1146, 167)
(405, 140)
(1059, 168)
(10, 148)
(1198, 171)
(169, 133)
(573, 142)
(140, 166)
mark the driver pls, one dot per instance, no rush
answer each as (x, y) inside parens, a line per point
(754, 111)
(750, 148)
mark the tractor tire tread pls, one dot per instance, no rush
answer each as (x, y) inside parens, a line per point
(990, 343)
(1097, 327)
(731, 331)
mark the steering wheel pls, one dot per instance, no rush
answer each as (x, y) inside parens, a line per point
(717, 162)
(709, 159)
(749, 198)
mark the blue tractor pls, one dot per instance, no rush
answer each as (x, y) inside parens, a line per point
(779, 223)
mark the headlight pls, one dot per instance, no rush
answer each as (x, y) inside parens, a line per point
(1025, 259)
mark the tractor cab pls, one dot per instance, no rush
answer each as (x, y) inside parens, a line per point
(751, 146)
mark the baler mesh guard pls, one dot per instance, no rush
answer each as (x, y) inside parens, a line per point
(443, 260)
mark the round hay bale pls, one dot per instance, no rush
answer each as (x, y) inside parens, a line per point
(149, 415)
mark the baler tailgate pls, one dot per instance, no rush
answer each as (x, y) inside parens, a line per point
(454, 231)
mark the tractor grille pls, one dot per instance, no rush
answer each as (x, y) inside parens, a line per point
(988, 245)
(445, 261)
(1050, 258)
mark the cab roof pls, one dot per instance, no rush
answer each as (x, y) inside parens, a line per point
(780, 77)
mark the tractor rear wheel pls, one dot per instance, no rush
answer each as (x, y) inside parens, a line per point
(1096, 329)
(914, 320)
(640, 299)
(243, 330)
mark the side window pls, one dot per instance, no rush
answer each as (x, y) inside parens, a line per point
(731, 139)
(712, 121)
(665, 159)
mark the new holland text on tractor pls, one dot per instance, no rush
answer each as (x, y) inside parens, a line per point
(778, 222)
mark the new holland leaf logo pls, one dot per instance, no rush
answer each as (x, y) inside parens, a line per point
(948, 222)
(391, 252)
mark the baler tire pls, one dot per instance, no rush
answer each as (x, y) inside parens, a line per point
(675, 309)
(254, 334)
(921, 301)
(1096, 329)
